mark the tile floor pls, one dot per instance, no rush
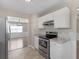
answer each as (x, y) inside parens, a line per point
(25, 53)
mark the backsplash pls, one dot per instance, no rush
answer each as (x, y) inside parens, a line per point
(63, 33)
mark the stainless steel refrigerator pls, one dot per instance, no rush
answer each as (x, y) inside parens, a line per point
(3, 39)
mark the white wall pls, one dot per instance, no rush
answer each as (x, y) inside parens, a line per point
(7, 12)
(33, 27)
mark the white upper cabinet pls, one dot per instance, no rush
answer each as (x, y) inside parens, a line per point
(23, 20)
(62, 18)
(12, 19)
(40, 22)
(17, 19)
(49, 17)
(45, 18)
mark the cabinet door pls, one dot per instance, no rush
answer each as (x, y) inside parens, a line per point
(45, 18)
(36, 42)
(49, 17)
(55, 51)
(41, 20)
(62, 18)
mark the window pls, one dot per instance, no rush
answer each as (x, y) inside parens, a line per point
(16, 29)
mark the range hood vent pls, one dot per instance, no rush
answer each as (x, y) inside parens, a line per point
(48, 23)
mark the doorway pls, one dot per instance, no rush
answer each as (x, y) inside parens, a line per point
(18, 33)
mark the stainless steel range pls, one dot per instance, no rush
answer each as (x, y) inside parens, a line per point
(44, 47)
(44, 44)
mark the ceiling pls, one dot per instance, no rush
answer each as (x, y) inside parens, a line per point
(36, 6)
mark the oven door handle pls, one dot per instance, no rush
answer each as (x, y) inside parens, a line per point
(44, 39)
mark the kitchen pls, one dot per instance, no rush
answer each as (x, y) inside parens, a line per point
(52, 28)
(56, 25)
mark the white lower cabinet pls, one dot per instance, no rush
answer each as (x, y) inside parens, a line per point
(63, 50)
(55, 51)
(36, 42)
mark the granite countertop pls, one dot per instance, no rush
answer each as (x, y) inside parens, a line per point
(59, 40)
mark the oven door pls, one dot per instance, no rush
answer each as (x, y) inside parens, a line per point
(43, 43)
(44, 48)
